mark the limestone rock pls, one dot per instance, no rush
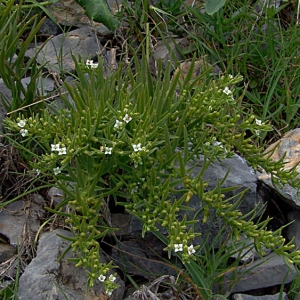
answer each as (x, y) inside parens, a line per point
(289, 148)
(58, 51)
(277, 296)
(266, 272)
(21, 218)
(47, 278)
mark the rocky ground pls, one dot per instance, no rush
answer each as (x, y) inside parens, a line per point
(25, 222)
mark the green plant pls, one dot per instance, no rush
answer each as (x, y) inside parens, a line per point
(255, 41)
(128, 138)
(17, 30)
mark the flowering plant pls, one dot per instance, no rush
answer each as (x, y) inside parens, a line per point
(128, 138)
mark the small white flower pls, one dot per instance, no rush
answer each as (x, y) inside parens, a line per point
(37, 171)
(112, 278)
(101, 278)
(89, 62)
(137, 147)
(227, 91)
(62, 151)
(258, 122)
(118, 125)
(230, 76)
(127, 118)
(56, 171)
(94, 65)
(178, 247)
(257, 132)
(55, 147)
(21, 123)
(191, 250)
(23, 132)
(108, 150)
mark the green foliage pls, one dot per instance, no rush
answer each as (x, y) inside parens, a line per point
(254, 41)
(98, 11)
(18, 28)
(129, 138)
(132, 139)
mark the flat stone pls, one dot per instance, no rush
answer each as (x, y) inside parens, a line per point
(266, 272)
(81, 42)
(48, 278)
(277, 296)
(20, 216)
(69, 13)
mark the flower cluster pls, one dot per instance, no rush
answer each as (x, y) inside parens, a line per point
(110, 285)
(90, 63)
(179, 248)
(59, 149)
(22, 124)
(119, 125)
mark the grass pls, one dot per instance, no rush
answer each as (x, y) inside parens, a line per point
(260, 44)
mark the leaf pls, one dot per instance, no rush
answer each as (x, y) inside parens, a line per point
(98, 11)
(212, 6)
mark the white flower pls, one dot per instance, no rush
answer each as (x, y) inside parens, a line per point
(227, 91)
(62, 151)
(258, 122)
(118, 125)
(191, 250)
(127, 118)
(230, 76)
(21, 123)
(112, 278)
(108, 150)
(137, 147)
(91, 64)
(56, 171)
(101, 278)
(37, 171)
(55, 147)
(178, 247)
(23, 132)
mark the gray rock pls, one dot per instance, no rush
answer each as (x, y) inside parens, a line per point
(169, 53)
(47, 278)
(141, 257)
(58, 51)
(6, 252)
(266, 272)
(277, 296)
(293, 229)
(44, 85)
(20, 217)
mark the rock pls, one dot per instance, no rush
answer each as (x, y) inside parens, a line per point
(266, 272)
(293, 229)
(289, 146)
(55, 196)
(6, 252)
(47, 278)
(44, 85)
(142, 257)
(69, 13)
(58, 51)
(21, 218)
(169, 53)
(277, 296)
